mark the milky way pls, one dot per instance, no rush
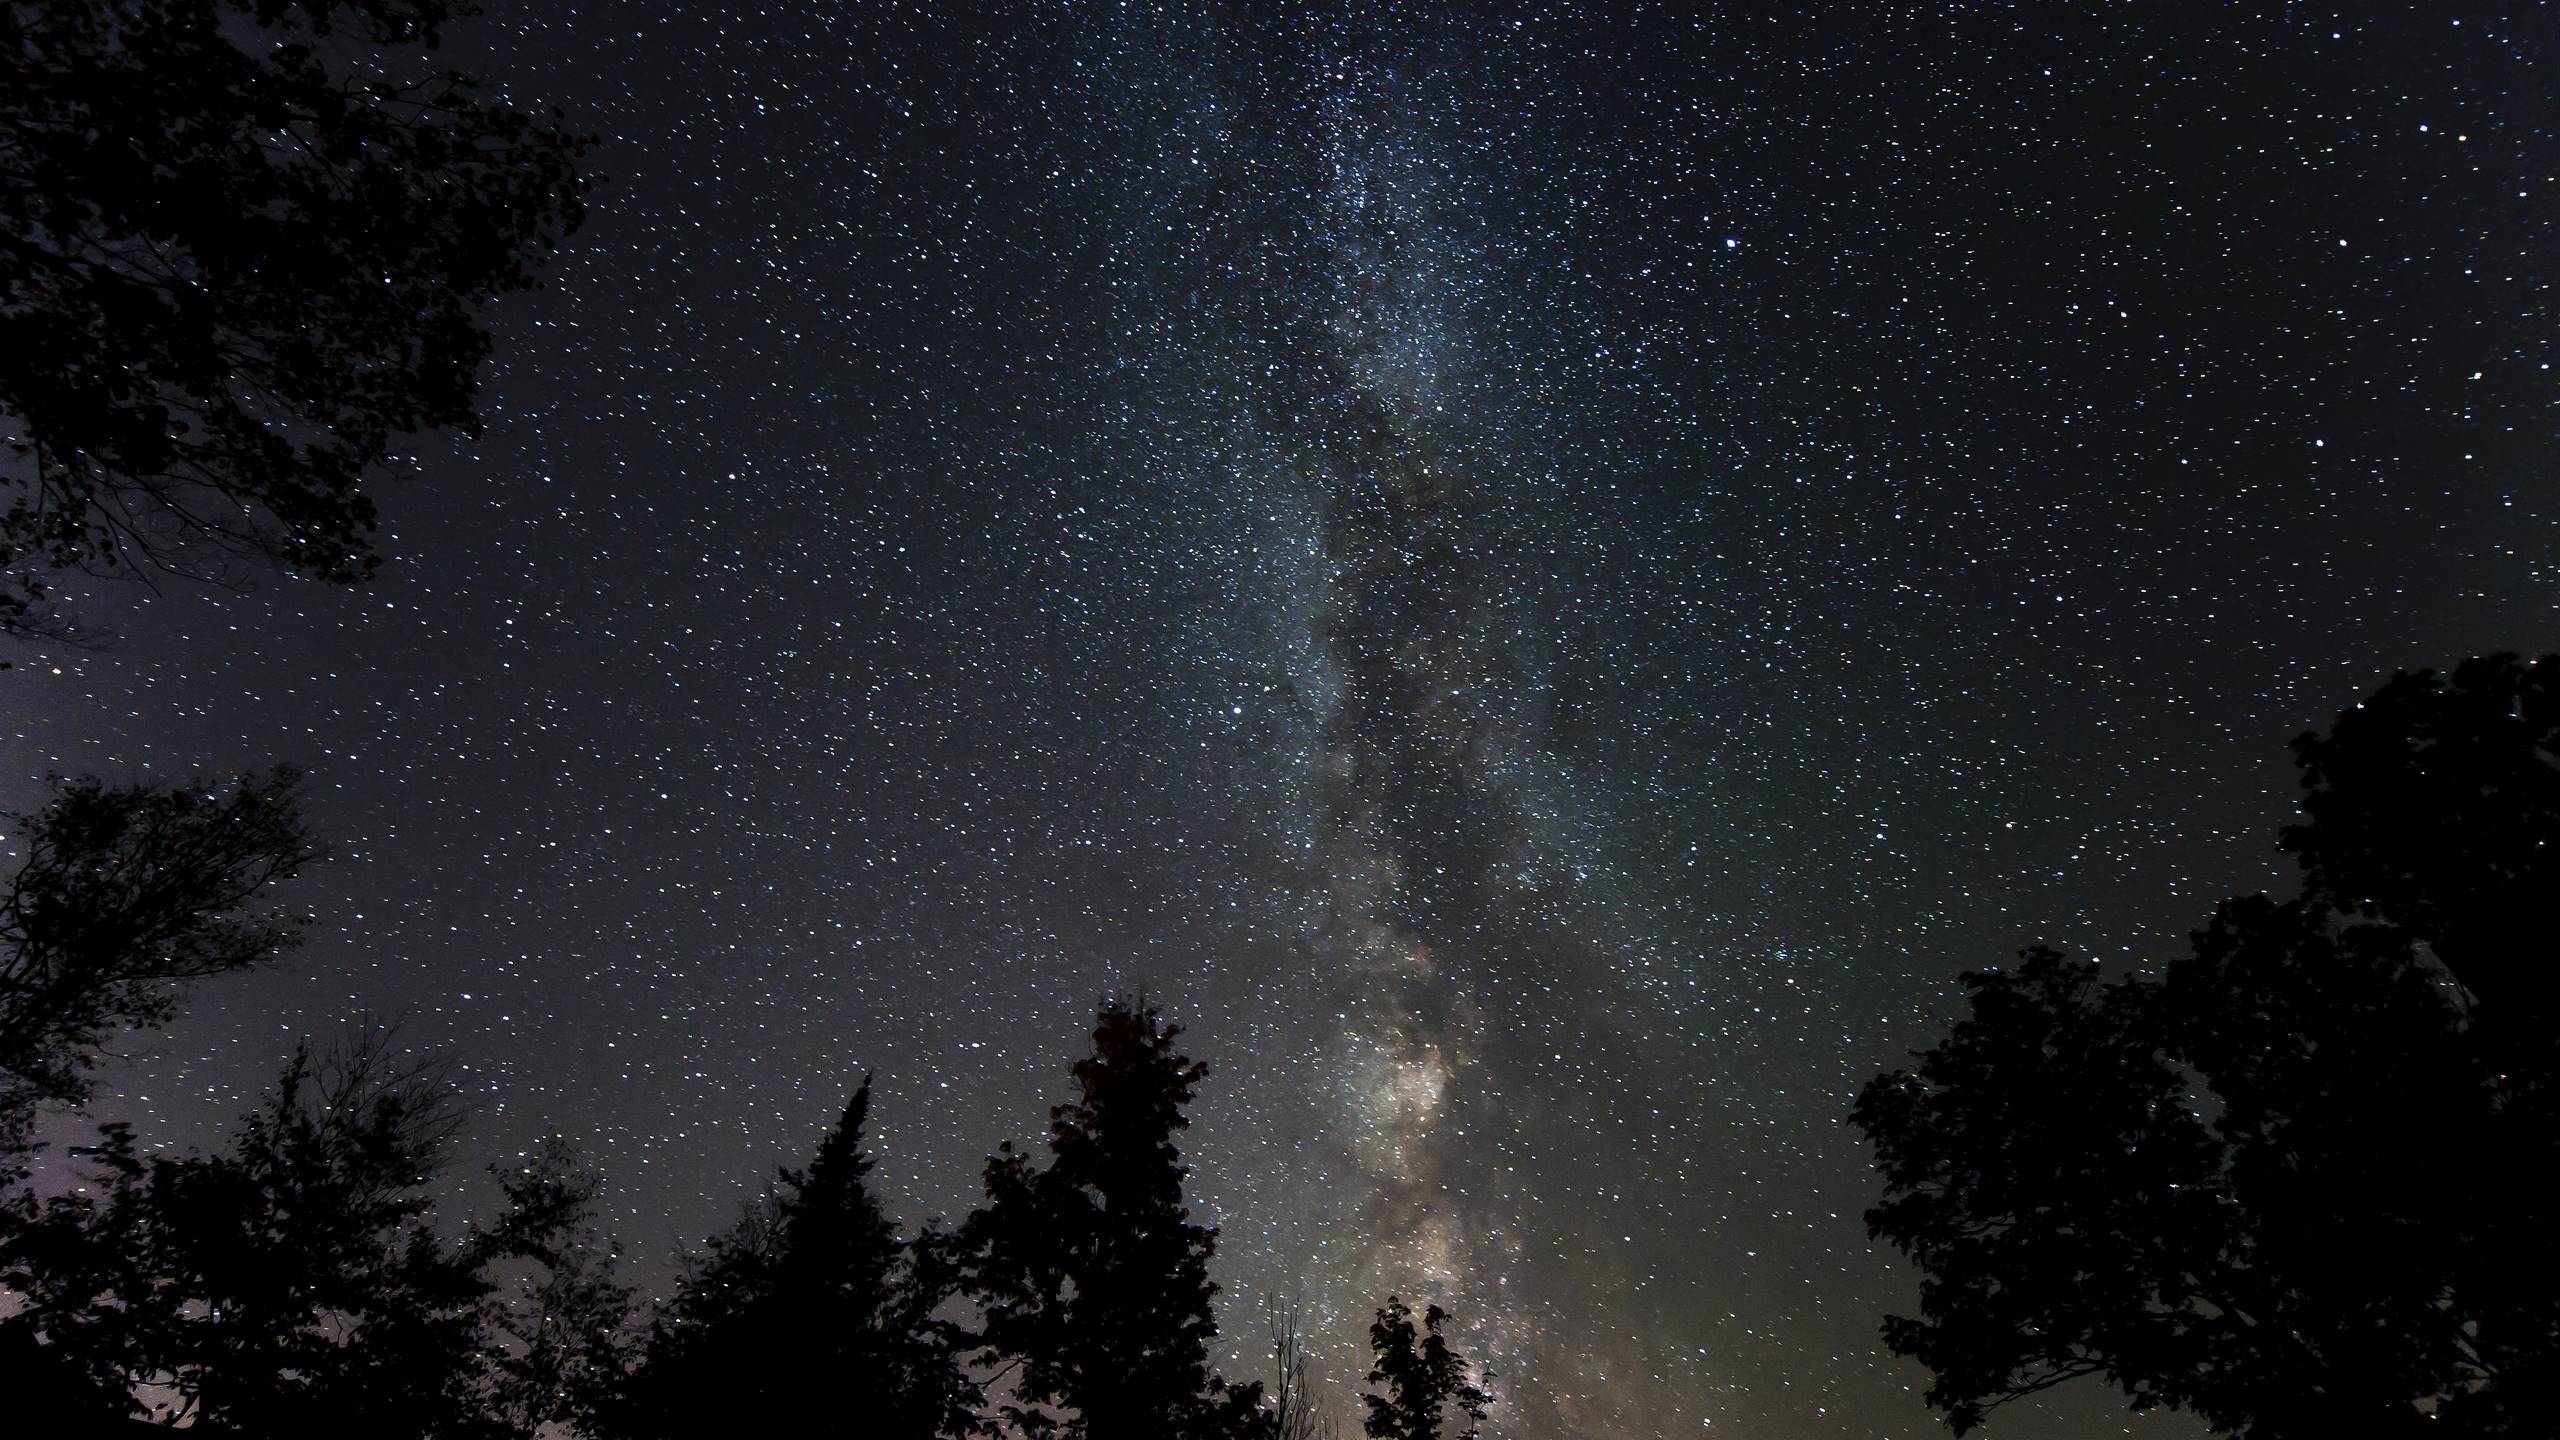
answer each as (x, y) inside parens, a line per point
(1545, 580)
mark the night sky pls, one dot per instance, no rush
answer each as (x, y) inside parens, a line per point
(1544, 580)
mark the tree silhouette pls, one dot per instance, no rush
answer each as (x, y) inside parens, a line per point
(2436, 805)
(291, 1285)
(702, 1341)
(236, 272)
(811, 1309)
(1425, 1380)
(1092, 1281)
(560, 1344)
(2291, 1182)
(1295, 1413)
(125, 894)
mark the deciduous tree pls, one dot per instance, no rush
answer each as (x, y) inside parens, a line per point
(244, 250)
(125, 894)
(2435, 804)
(293, 1283)
(2294, 1181)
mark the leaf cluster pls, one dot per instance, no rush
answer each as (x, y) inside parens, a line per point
(126, 893)
(292, 1283)
(1427, 1387)
(1091, 1278)
(2296, 1181)
(244, 247)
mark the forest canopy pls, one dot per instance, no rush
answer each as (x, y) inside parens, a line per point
(245, 249)
(2294, 1180)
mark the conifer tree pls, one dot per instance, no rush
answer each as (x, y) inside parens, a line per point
(1425, 1379)
(1092, 1278)
(810, 1311)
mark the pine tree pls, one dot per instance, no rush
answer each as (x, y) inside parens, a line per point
(1093, 1281)
(1426, 1381)
(811, 1309)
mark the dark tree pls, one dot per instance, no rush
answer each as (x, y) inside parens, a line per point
(702, 1340)
(2436, 805)
(2044, 1104)
(235, 272)
(2285, 1183)
(809, 1316)
(1092, 1281)
(1295, 1413)
(1427, 1388)
(561, 1338)
(291, 1285)
(125, 894)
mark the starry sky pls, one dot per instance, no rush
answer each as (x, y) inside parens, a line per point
(1543, 576)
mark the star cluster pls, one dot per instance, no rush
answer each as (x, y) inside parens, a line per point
(1546, 578)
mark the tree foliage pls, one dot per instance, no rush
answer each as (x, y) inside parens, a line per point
(2289, 1182)
(559, 1339)
(295, 1283)
(1092, 1279)
(2435, 804)
(125, 894)
(291, 1284)
(244, 248)
(1424, 1388)
(812, 1308)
